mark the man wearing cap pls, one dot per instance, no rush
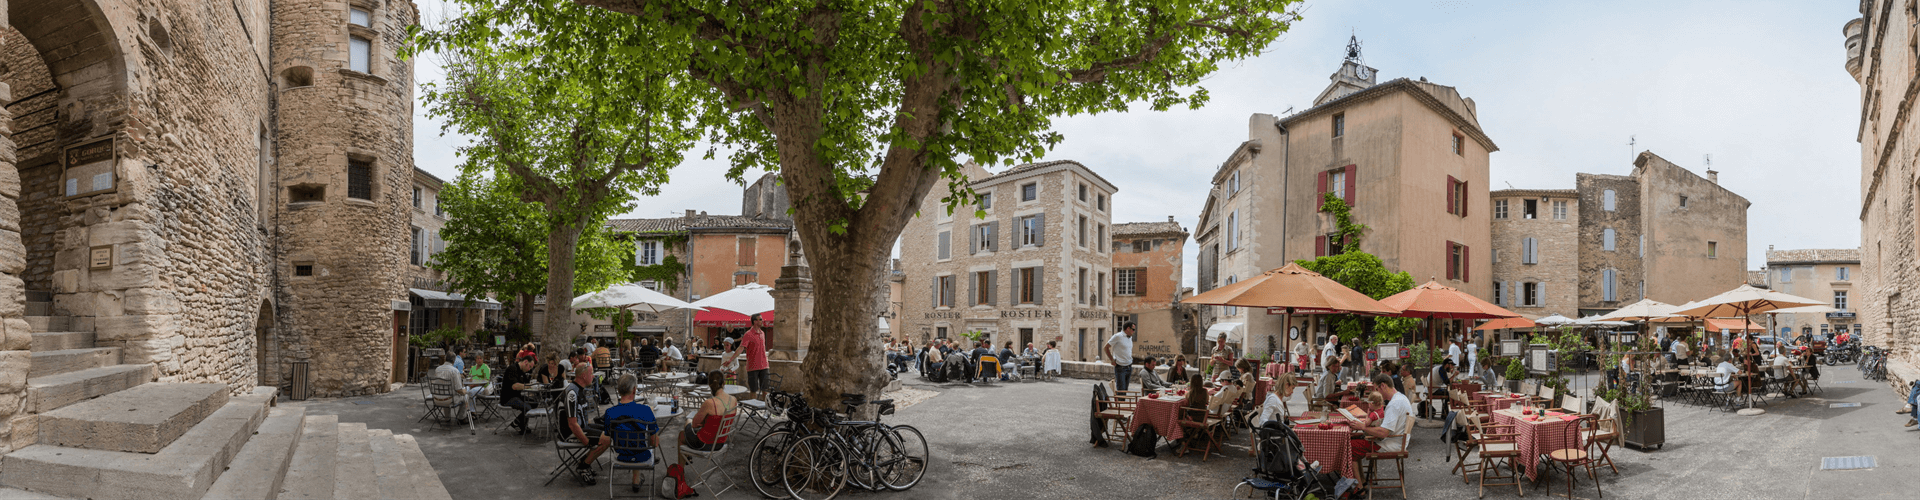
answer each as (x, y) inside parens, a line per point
(514, 380)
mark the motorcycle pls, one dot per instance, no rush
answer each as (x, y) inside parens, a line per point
(1843, 354)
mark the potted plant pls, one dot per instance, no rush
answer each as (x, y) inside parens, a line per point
(1516, 371)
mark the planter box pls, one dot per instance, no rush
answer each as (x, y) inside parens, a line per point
(1647, 430)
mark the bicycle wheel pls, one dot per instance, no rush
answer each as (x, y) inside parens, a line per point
(900, 458)
(813, 468)
(763, 464)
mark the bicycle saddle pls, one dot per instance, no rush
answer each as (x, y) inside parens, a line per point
(886, 406)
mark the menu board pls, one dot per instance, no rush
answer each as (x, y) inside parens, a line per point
(89, 168)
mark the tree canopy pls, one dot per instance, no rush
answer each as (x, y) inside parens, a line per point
(497, 244)
(1364, 273)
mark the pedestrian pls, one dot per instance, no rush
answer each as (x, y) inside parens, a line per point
(1300, 356)
(1119, 350)
(754, 346)
(1453, 351)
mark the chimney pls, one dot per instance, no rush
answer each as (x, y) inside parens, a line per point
(689, 212)
(1713, 176)
(1169, 218)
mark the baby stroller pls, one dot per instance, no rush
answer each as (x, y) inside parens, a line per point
(1281, 467)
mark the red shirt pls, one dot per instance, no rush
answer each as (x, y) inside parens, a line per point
(755, 346)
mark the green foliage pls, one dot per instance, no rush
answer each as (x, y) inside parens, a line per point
(1364, 273)
(974, 336)
(497, 244)
(446, 335)
(667, 273)
(1345, 230)
(1420, 354)
(1516, 370)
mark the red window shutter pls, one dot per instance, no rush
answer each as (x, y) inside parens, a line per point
(1320, 246)
(1323, 183)
(1451, 202)
(1352, 173)
(1466, 264)
(1453, 273)
(1464, 198)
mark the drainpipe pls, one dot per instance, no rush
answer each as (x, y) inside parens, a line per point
(1286, 175)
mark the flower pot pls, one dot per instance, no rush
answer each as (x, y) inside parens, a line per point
(1646, 429)
(1513, 386)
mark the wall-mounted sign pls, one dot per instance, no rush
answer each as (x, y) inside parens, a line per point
(100, 257)
(89, 168)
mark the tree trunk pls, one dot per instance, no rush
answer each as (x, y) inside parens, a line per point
(558, 333)
(526, 316)
(844, 356)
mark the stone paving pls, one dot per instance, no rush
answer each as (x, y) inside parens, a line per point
(1029, 440)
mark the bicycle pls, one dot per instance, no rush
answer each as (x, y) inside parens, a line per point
(1873, 363)
(868, 454)
(763, 463)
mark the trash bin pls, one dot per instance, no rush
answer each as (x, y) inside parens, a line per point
(301, 382)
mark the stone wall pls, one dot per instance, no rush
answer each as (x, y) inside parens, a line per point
(1558, 249)
(1625, 258)
(1890, 265)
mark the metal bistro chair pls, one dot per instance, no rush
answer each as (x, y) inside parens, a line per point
(443, 399)
(1574, 456)
(989, 368)
(630, 438)
(490, 401)
(714, 456)
(433, 411)
(569, 450)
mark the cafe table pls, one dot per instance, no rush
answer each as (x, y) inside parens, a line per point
(1162, 411)
(1536, 434)
(1332, 447)
(1504, 401)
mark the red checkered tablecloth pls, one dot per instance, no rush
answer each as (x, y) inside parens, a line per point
(1163, 414)
(1535, 438)
(1502, 403)
(1330, 447)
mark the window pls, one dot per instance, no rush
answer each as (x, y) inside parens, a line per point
(1499, 209)
(1606, 239)
(1607, 285)
(648, 254)
(1100, 237)
(945, 245)
(1643, 244)
(1560, 210)
(1683, 201)
(1713, 249)
(1531, 209)
(650, 285)
(1496, 256)
(419, 246)
(1458, 265)
(983, 236)
(742, 278)
(943, 296)
(1142, 246)
(1126, 282)
(359, 17)
(1459, 145)
(1339, 125)
(1530, 294)
(1080, 290)
(1606, 200)
(1840, 273)
(983, 287)
(416, 197)
(940, 332)
(359, 54)
(303, 269)
(1081, 234)
(1233, 230)
(1529, 251)
(1100, 289)
(359, 180)
(1083, 193)
(1456, 196)
(1232, 311)
(1027, 285)
(437, 209)
(1100, 202)
(1029, 191)
(1840, 299)
(1499, 292)
(1786, 274)
(1337, 182)
(1233, 183)
(986, 201)
(1031, 230)
(746, 248)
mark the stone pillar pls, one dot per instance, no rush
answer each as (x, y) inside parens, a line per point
(793, 309)
(15, 335)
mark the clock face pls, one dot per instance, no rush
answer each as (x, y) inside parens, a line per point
(1293, 333)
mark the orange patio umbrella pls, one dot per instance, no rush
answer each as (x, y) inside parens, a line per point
(1506, 323)
(1436, 301)
(1293, 290)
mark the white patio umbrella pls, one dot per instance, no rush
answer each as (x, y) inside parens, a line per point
(1554, 320)
(748, 299)
(1643, 310)
(633, 297)
(1598, 320)
(1745, 300)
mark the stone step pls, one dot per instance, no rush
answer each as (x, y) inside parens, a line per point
(183, 470)
(41, 323)
(426, 482)
(56, 341)
(310, 474)
(48, 393)
(20, 494)
(389, 467)
(257, 471)
(72, 360)
(142, 421)
(353, 475)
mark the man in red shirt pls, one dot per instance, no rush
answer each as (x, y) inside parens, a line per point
(754, 345)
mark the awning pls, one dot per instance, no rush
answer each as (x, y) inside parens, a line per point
(444, 300)
(1234, 332)
(1732, 325)
(726, 319)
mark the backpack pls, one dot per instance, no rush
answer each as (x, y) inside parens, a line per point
(1094, 424)
(1143, 442)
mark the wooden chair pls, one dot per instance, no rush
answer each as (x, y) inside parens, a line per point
(1462, 449)
(1570, 404)
(1202, 427)
(1600, 440)
(1544, 398)
(1498, 444)
(1370, 463)
(1116, 413)
(1575, 456)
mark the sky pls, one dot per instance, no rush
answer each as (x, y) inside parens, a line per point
(1561, 88)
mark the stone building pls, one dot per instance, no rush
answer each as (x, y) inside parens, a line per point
(1407, 155)
(715, 253)
(208, 193)
(430, 303)
(1147, 269)
(1034, 269)
(1660, 232)
(1818, 274)
(1881, 56)
(1536, 251)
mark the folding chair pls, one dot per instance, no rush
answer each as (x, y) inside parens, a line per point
(629, 439)
(1114, 413)
(714, 456)
(569, 451)
(490, 402)
(1200, 426)
(1370, 463)
(443, 398)
(433, 411)
(1499, 443)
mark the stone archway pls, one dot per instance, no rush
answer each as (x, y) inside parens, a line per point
(267, 371)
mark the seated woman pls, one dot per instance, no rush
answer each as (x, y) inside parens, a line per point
(1178, 370)
(1050, 361)
(704, 431)
(935, 361)
(1196, 394)
(550, 374)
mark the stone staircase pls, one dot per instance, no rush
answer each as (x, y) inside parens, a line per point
(103, 432)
